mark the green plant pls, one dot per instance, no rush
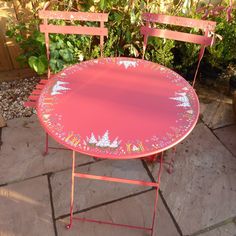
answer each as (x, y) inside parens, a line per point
(124, 38)
(223, 51)
(160, 51)
(32, 45)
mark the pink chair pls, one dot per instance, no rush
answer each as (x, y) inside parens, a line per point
(204, 40)
(48, 28)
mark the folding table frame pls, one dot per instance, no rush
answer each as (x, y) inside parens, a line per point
(156, 185)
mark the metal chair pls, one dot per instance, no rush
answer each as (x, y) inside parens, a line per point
(204, 40)
(48, 28)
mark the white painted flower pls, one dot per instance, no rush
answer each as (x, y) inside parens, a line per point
(183, 99)
(92, 139)
(115, 143)
(128, 64)
(46, 116)
(190, 112)
(135, 148)
(58, 88)
(185, 88)
(104, 141)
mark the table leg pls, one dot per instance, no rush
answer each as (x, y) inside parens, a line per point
(156, 196)
(72, 191)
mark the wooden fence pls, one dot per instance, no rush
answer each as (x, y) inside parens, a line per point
(12, 10)
(8, 49)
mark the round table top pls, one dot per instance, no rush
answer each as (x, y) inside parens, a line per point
(118, 108)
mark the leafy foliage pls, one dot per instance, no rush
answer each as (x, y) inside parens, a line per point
(224, 51)
(124, 37)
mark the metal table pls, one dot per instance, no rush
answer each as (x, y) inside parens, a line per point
(118, 108)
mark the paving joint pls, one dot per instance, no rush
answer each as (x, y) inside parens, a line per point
(223, 144)
(52, 206)
(212, 131)
(215, 226)
(148, 171)
(225, 126)
(170, 213)
(105, 203)
(47, 173)
(163, 199)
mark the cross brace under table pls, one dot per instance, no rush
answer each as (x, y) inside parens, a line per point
(117, 180)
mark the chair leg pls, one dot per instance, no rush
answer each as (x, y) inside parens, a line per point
(156, 196)
(46, 144)
(72, 191)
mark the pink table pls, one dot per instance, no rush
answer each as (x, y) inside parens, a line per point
(118, 108)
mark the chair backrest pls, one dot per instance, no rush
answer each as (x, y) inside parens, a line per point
(207, 28)
(72, 29)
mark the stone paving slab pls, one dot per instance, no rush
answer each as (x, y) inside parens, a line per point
(21, 153)
(25, 208)
(202, 189)
(226, 230)
(134, 211)
(89, 193)
(227, 136)
(217, 114)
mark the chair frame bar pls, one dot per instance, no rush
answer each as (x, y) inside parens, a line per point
(47, 29)
(204, 40)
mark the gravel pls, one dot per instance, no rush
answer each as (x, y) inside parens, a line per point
(12, 97)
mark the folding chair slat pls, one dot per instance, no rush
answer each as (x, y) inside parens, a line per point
(43, 81)
(39, 86)
(179, 21)
(30, 104)
(33, 98)
(204, 40)
(36, 92)
(175, 35)
(80, 16)
(71, 29)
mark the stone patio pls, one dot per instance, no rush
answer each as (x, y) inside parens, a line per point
(197, 199)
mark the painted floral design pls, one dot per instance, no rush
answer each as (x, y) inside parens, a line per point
(128, 64)
(59, 87)
(183, 100)
(104, 141)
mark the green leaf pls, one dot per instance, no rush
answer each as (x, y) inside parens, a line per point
(32, 61)
(19, 38)
(102, 4)
(53, 65)
(60, 44)
(10, 33)
(69, 44)
(60, 64)
(66, 55)
(41, 67)
(56, 65)
(132, 17)
(54, 54)
(39, 64)
(44, 60)
(118, 17)
(40, 38)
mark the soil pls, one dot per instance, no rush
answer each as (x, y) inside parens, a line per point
(12, 97)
